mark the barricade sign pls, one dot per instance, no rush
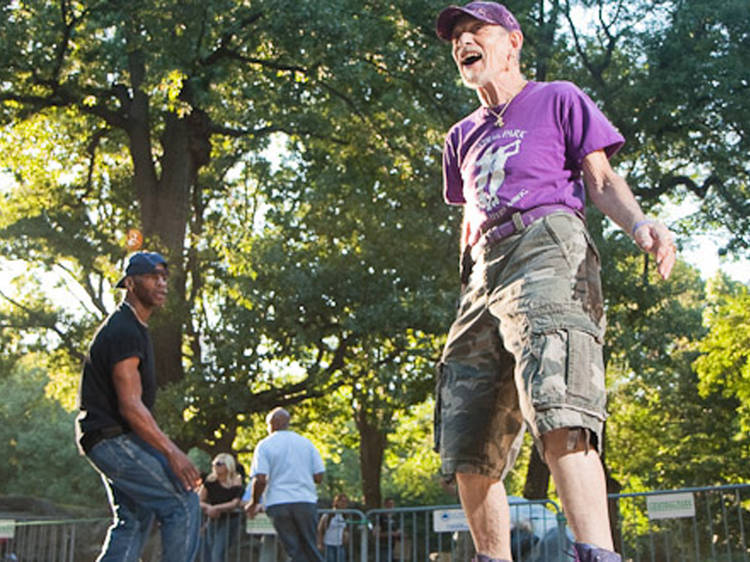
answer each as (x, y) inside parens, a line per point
(670, 506)
(259, 525)
(7, 528)
(449, 520)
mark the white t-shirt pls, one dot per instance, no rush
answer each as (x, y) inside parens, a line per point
(289, 461)
(335, 532)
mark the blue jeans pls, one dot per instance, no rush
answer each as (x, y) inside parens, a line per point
(335, 553)
(141, 487)
(219, 534)
(295, 523)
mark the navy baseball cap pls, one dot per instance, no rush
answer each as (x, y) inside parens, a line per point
(140, 264)
(490, 12)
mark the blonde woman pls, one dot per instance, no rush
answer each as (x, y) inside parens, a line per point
(220, 497)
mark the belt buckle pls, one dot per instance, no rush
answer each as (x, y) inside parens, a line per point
(517, 219)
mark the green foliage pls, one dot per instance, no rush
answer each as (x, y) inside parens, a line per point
(40, 457)
(663, 433)
(412, 472)
(724, 363)
(286, 157)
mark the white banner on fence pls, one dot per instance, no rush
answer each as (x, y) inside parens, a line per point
(259, 525)
(670, 506)
(7, 528)
(449, 520)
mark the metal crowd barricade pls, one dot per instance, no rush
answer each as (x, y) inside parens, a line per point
(49, 540)
(708, 524)
(358, 527)
(255, 540)
(440, 533)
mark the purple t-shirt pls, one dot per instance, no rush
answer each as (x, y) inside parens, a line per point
(534, 159)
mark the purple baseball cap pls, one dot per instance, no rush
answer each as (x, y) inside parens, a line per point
(490, 12)
(140, 263)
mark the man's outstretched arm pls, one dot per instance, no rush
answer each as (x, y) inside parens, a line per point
(613, 197)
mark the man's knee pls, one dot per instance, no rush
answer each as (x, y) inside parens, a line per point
(475, 480)
(560, 442)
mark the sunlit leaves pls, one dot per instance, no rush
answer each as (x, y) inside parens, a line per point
(318, 255)
(724, 363)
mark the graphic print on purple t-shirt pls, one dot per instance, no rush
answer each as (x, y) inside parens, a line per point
(489, 174)
(535, 159)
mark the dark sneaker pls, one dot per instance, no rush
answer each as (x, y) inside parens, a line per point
(589, 553)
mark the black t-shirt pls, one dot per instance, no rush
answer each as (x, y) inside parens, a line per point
(219, 494)
(388, 523)
(119, 337)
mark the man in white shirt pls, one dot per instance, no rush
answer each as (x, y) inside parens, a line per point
(287, 466)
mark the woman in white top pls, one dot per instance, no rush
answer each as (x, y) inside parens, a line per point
(333, 533)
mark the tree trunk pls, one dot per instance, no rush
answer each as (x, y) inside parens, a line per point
(372, 441)
(537, 478)
(165, 212)
(613, 487)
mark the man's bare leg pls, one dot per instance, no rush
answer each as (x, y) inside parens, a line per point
(486, 507)
(581, 485)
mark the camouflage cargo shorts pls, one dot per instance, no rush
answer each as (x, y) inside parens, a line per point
(525, 349)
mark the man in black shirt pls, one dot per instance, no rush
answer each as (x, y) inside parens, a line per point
(145, 474)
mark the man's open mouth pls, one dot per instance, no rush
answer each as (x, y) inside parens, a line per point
(471, 59)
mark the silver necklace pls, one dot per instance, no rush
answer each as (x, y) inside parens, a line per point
(135, 313)
(499, 121)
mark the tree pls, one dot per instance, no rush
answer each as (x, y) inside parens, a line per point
(35, 442)
(664, 433)
(668, 429)
(162, 117)
(724, 363)
(285, 156)
(695, 142)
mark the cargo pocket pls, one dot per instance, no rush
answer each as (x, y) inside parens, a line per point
(545, 369)
(585, 377)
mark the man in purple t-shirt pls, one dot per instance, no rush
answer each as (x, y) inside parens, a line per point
(525, 350)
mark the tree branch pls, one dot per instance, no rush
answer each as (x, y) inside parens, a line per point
(60, 333)
(265, 131)
(223, 49)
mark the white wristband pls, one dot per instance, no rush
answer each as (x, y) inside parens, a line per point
(638, 225)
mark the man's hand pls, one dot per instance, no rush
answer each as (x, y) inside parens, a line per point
(184, 468)
(252, 509)
(257, 487)
(656, 239)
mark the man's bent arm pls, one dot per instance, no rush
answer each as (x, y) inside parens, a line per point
(612, 196)
(258, 486)
(127, 382)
